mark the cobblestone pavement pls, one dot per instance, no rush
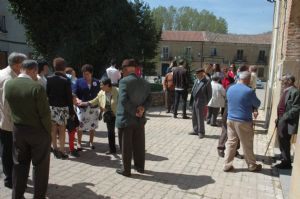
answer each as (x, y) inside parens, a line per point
(178, 165)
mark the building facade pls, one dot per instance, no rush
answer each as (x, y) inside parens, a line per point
(12, 34)
(201, 48)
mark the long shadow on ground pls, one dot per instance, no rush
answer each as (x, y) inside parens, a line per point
(182, 181)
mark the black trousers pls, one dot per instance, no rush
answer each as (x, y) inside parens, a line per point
(6, 142)
(170, 99)
(30, 145)
(111, 134)
(284, 140)
(212, 115)
(184, 95)
(133, 143)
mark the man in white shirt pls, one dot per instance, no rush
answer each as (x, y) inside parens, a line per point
(112, 73)
(43, 69)
(6, 125)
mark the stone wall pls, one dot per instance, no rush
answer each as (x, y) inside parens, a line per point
(158, 99)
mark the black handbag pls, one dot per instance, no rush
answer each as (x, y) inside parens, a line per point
(108, 116)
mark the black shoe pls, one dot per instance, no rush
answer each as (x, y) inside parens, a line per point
(139, 169)
(64, 156)
(238, 155)
(175, 116)
(122, 172)
(74, 153)
(185, 117)
(110, 152)
(57, 154)
(79, 149)
(92, 146)
(221, 153)
(193, 133)
(208, 122)
(214, 125)
(8, 185)
(283, 165)
(201, 135)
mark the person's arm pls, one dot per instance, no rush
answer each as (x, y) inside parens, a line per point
(43, 108)
(255, 100)
(295, 109)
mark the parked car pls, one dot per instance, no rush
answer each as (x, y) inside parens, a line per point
(259, 84)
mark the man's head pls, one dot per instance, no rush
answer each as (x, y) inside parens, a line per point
(181, 62)
(15, 61)
(30, 67)
(200, 73)
(245, 77)
(59, 64)
(128, 66)
(43, 66)
(253, 68)
(289, 80)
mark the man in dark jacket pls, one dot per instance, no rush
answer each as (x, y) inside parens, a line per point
(287, 122)
(180, 79)
(201, 93)
(134, 98)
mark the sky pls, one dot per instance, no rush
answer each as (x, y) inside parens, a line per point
(242, 16)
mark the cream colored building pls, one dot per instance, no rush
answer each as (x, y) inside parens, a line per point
(285, 58)
(200, 48)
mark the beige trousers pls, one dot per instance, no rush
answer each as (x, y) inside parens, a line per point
(243, 131)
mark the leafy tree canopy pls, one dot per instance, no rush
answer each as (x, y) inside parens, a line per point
(84, 31)
(188, 19)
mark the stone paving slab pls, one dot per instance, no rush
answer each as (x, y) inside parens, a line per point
(178, 165)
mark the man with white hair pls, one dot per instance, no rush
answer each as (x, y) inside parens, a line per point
(6, 126)
(241, 101)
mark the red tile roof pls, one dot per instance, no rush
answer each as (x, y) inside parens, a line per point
(216, 37)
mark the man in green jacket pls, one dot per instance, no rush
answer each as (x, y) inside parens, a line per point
(31, 130)
(288, 117)
(134, 98)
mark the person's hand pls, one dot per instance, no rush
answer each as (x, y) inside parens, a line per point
(78, 101)
(140, 111)
(255, 114)
(83, 104)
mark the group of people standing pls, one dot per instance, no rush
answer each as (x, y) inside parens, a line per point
(37, 109)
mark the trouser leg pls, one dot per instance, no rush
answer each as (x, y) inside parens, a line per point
(215, 112)
(246, 135)
(177, 97)
(230, 144)
(120, 133)
(209, 114)
(111, 134)
(6, 143)
(21, 158)
(284, 140)
(127, 137)
(41, 162)
(184, 101)
(71, 139)
(139, 147)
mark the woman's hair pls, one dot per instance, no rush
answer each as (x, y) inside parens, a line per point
(87, 68)
(106, 81)
(69, 70)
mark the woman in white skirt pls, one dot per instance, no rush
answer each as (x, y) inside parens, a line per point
(86, 89)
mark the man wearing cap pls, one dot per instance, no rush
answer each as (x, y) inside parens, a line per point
(241, 100)
(288, 117)
(201, 93)
(31, 130)
(134, 98)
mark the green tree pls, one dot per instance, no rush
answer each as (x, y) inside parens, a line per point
(84, 31)
(188, 19)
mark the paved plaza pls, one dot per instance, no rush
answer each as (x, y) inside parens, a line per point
(178, 165)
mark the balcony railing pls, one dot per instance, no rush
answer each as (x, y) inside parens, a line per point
(238, 59)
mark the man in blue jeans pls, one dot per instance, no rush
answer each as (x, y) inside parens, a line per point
(180, 80)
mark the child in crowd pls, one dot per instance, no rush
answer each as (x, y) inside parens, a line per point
(72, 125)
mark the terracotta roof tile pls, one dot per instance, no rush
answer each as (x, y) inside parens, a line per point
(216, 37)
